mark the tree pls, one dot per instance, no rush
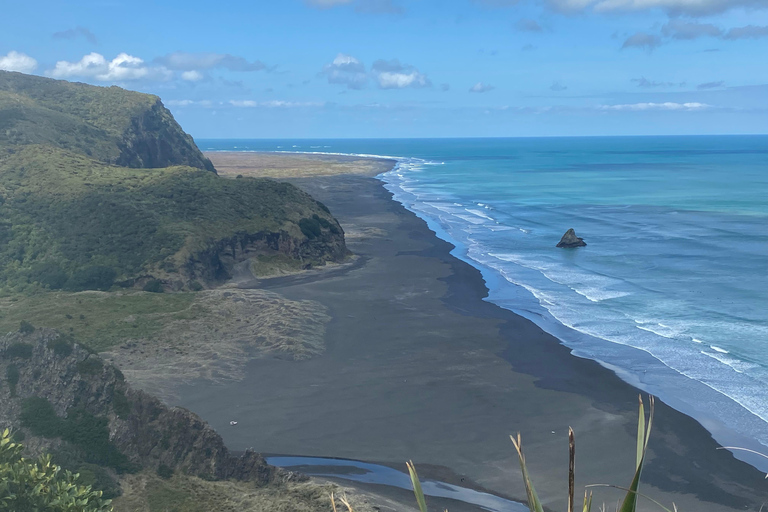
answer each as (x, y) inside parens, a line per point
(34, 485)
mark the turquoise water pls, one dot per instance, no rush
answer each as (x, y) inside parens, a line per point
(676, 265)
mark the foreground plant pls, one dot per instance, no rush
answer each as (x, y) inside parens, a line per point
(27, 485)
(629, 504)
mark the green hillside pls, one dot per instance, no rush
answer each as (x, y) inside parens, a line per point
(110, 124)
(72, 218)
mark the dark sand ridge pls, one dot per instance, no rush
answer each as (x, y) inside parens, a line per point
(419, 367)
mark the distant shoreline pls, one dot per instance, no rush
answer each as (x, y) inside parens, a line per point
(419, 366)
(283, 165)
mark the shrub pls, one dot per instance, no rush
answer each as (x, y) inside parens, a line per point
(84, 430)
(164, 472)
(61, 346)
(12, 375)
(195, 286)
(98, 478)
(90, 366)
(41, 485)
(153, 286)
(92, 278)
(49, 274)
(26, 327)
(310, 228)
(121, 404)
(19, 350)
(38, 415)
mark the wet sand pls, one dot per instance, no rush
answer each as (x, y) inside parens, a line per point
(418, 366)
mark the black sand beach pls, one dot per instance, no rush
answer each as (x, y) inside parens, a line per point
(419, 367)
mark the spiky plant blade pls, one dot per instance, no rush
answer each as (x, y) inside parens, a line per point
(533, 499)
(643, 434)
(417, 487)
(587, 502)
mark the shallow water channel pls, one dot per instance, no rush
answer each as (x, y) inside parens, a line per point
(365, 472)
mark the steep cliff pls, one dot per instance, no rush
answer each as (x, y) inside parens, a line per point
(44, 371)
(110, 124)
(99, 185)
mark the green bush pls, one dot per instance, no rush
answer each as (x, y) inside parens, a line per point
(12, 375)
(19, 350)
(38, 415)
(97, 477)
(61, 346)
(90, 366)
(164, 471)
(121, 404)
(40, 485)
(195, 286)
(49, 274)
(84, 430)
(153, 286)
(26, 327)
(97, 277)
(310, 228)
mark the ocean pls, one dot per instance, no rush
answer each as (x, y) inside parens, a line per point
(671, 291)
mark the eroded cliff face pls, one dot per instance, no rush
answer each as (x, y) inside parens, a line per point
(216, 263)
(154, 139)
(149, 433)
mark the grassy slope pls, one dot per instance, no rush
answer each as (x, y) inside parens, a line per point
(79, 117)
(99, 320)
(67, 210)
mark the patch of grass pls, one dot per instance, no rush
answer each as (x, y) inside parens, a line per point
(148, 491)
(99, 320)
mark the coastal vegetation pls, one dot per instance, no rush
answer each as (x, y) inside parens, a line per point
(100, 188)
(39, 484)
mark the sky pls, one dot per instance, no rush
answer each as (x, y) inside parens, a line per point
(413, 68)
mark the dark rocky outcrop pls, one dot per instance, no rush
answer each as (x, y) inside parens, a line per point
(570, 240)
(154, 139)
(140, 426)
(215, 264)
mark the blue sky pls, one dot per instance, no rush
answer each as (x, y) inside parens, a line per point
(413, 68)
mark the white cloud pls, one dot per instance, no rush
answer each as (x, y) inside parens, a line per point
(190, 103)
(124, 67)
(192, 76)
(183, 61)
(480, 87)
(391, 80)
(637, 107)
(346, 70)
(393, 75)
(16, 61)
(677, 7)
